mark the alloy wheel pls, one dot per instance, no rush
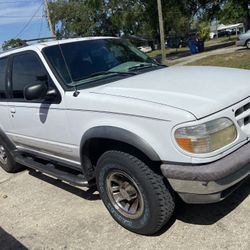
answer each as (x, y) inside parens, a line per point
(124, 194)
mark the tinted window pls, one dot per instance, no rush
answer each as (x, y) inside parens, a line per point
(77, 62)
(3, 68)
(27, 70)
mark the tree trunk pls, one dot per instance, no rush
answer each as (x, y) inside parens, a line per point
(247, 22)
(247, 18)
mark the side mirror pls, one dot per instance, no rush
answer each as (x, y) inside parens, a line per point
(36, 91)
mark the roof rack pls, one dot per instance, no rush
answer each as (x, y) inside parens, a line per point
(41, 39)
(24, 43)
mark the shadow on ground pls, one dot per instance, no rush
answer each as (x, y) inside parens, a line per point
(211, 213)
(7, 241)
(207, 214)
(89, 194)
(242, 49)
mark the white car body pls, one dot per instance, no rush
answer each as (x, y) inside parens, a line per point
(151, 106)
(212, 35)
(244, 40)
(145, 49)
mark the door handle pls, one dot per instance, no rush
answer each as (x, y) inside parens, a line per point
(12, 110)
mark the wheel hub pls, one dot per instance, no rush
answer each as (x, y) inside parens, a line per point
(3, 156)
(124, 194)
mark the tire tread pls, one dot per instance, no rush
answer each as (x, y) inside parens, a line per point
(165, 198)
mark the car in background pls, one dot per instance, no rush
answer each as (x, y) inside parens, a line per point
(212, 35)
(145, 49)
(222, 33)
(176, 42)
(244, 40)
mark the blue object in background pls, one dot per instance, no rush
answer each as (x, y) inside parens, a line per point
(192, 46)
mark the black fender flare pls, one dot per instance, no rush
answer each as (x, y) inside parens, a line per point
(116, 134)
(7, 143)
(121, 135)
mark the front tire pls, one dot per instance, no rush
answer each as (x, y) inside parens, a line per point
(135, 196)
(248, 44)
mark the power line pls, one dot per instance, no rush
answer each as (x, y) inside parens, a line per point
(19, 16)
(40, 29)
(28, 23)
(12, 2)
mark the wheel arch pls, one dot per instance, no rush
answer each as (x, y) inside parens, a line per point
(6, 141)
(99, 139)
(248, 40)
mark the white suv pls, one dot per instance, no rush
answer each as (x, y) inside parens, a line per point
(97, 111)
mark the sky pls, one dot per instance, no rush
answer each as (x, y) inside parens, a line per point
(16, 22)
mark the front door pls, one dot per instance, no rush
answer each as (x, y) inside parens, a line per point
(37, 125)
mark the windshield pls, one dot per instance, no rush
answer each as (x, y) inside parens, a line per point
(79, 63)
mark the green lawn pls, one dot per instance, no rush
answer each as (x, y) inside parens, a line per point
(238, 59)
(156, 53)
(221, 40)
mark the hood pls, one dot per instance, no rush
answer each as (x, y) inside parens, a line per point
(198, 90)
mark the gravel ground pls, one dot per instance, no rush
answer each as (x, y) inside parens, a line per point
(39, 212)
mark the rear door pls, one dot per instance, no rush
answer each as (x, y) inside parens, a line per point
(36, 125)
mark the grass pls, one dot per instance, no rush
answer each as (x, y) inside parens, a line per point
(219, 40)
(238, 59)
(156, 53)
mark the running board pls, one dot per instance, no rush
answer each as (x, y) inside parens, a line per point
(62, 173)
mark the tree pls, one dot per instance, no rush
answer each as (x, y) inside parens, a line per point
(113, 17)
(236, 11)
(228, 11)
(204, 30)
(12, 43)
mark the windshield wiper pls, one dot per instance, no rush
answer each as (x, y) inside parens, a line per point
(143, 66)
(107, 73)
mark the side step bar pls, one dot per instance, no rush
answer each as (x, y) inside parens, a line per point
(64, 174)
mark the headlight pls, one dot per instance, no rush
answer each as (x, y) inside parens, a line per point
(207, 137)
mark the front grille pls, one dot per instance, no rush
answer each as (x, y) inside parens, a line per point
(242, 116)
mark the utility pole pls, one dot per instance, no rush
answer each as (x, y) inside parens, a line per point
(162, 35)
(46, 4)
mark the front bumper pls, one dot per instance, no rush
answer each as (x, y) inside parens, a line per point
(240, 43)
(209, 183)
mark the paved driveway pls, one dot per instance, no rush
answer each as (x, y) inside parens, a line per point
(39, 212)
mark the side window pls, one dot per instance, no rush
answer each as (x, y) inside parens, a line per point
(3, 68)
(26, 70)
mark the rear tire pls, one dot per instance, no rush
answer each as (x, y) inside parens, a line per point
(134, 195)
(248, 44)
(7, 162)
